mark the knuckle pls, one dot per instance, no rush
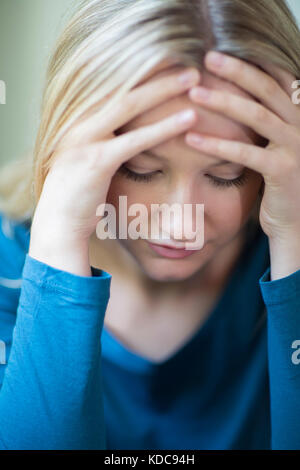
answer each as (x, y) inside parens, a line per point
(131, 139)
(65, 156)
(227, 101)
(104, 159)
(237, 68)
(132, 103)
(243, 153)
(294, 133)
(290, 166)
(260, 113)
(269, 87)
(218, 146)
(93, 154)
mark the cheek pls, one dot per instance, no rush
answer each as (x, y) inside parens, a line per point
(121, 186)
(227, 211)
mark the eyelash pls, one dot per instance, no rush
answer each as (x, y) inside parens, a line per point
(219, 182)
(239, 181)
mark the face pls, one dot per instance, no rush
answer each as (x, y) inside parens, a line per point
(172, 172)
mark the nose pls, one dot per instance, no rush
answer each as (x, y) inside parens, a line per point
(183, 223)
(181, 217)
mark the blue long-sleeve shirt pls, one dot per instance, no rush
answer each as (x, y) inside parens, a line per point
(67, 383)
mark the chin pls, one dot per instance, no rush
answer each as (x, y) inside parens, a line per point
(170, 271)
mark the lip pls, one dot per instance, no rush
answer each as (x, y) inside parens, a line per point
(170, 252)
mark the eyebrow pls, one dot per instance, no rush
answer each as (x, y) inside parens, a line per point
(219, 163)
(222, 162)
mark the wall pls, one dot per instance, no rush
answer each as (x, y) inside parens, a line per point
(27, 31)
(295, 6)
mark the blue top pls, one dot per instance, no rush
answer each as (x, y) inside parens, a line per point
(67, 383)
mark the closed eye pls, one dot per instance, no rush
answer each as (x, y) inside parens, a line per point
(221, 182)
(137, 176)
(218, 182)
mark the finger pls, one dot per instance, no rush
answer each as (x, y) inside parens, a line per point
(250, 156)
(283, 77)
(250, 113)
(136, 102)
(120, 149)
(256, 82)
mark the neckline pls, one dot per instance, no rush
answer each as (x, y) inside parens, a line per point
(115, 351)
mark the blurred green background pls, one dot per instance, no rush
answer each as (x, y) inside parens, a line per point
(28, 29)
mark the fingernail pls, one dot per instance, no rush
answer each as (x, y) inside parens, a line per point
(194, 139)
(189, 78)
(215, 58)
(186, 116)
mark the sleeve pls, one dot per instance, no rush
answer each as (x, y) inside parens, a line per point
(282, 299)
(51, 393)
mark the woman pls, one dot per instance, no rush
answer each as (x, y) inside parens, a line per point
(139, 104)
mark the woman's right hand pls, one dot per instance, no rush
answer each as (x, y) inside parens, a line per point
(85, 162)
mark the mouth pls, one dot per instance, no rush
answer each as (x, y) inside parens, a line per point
(169, 251)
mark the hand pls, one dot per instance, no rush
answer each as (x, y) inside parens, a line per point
(273, 116)
(85, 162)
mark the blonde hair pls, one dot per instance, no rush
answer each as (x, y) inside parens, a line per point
(108, 46)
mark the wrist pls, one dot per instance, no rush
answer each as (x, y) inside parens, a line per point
(64, 254)
(284, 256)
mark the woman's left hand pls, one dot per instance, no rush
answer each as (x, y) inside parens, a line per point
(275, 117)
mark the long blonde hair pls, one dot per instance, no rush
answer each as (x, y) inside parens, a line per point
(108, 46)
